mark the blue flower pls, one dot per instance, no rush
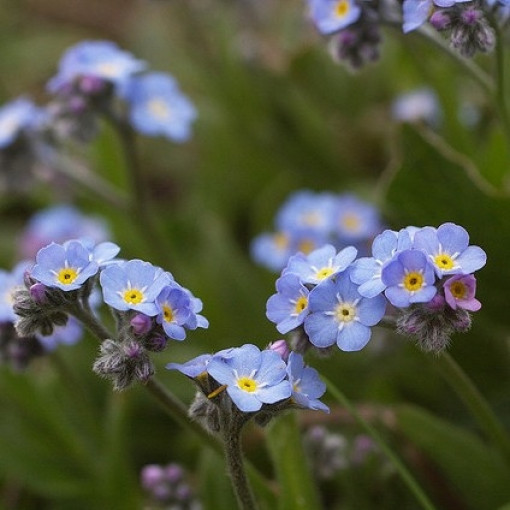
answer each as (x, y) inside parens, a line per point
(252, 378)
(197, 366)
(321, 264)
(333, 15)
(15, 117)
(67, 335)
(339, 314)
(64, 266)
(133, 285)
(355, 220)
(158, 107)
(366, 271)
(58, 224)
(409, 279)
(289, 307)
(417, 105)
(8, 282)
(448, 249)
(100, 59)
(271, 250)
(174, 309)
(307, 388)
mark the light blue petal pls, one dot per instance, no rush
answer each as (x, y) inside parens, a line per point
(353, 337)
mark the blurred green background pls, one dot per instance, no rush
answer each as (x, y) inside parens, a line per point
(276, 115)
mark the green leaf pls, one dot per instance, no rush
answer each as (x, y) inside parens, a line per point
(476, 472)
(298, 490)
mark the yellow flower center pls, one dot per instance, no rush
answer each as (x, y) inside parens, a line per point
(281, 241)
(306, 246)
(444, 261)
(458, 290)
(133, 296)
(158, 108)
(168, 313)
(413, 281)
(350, 222)
(311, 219)
(301, 304)
(247, 384)
(67, 275)
(345, 312)
(342, 8)
(324, 272)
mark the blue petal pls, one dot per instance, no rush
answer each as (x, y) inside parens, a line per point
(353, 337)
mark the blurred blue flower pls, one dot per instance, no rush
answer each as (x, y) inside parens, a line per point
(417, 105)
(321, 263)
(417, 12)
(448, 249)
(69, 334)
(58, 224)
(9, 280)
(174, 309)
(271, 250)
(158, 107)
(64, 266)
(307, 387)
(332, 15)
(289, 306)
(100, 59)
(355, 220)
(409, 278)
(133, 285)
(339, 314)
(252, 378)
(15, 117)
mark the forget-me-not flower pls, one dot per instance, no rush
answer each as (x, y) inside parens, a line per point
(158, 107)
(355, 220)
(133, 285)
(252, 378)
(271, 249)
(340, 314)
(9, 280)
(307, 387)
(100, 59)
(417, 12)
(332, 15)
(459, 292)
(16, 116)
(289, 306)
(448, 249)
(174, 309)
(66, 267)
(409, 278)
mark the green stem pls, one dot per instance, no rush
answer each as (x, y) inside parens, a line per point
(231, 426)
(402, 470)
(476, 403)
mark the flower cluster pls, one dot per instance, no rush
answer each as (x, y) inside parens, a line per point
(308, 220)
(424, 273)
(166, 487)
(254, 381)
(355, 24)
(92, 74)
(150, 307)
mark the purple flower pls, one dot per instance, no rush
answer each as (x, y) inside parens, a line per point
(252, 377)
(158, 107)
(174, 307)
(307, 388)
(339, 314)
(459, 292)
(332, 15)
(409, 279)
(321, 263)
(448, 250)
(65, 266)
(133, 285)
(289, 307)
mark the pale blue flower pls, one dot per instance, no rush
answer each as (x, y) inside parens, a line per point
(66, 267)
(355, 220)
(16, 116)
(252, 378)
(174, 309)
(417, 105)
(340, 314)
(272, 250)
(333, 15)
(9, 281)
(158, 107)
(133, 285)
(307, 387)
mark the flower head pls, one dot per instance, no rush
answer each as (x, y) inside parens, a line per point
(174, 309)
(96, 59)
(409, 279)
(9, 280)
(16, 116)
(65, 266)
(355, 220)
(339, 314)
(133, 285)
(332, 15)
(158, 107)
(307, 388)
(459, 292)
(252, 377)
